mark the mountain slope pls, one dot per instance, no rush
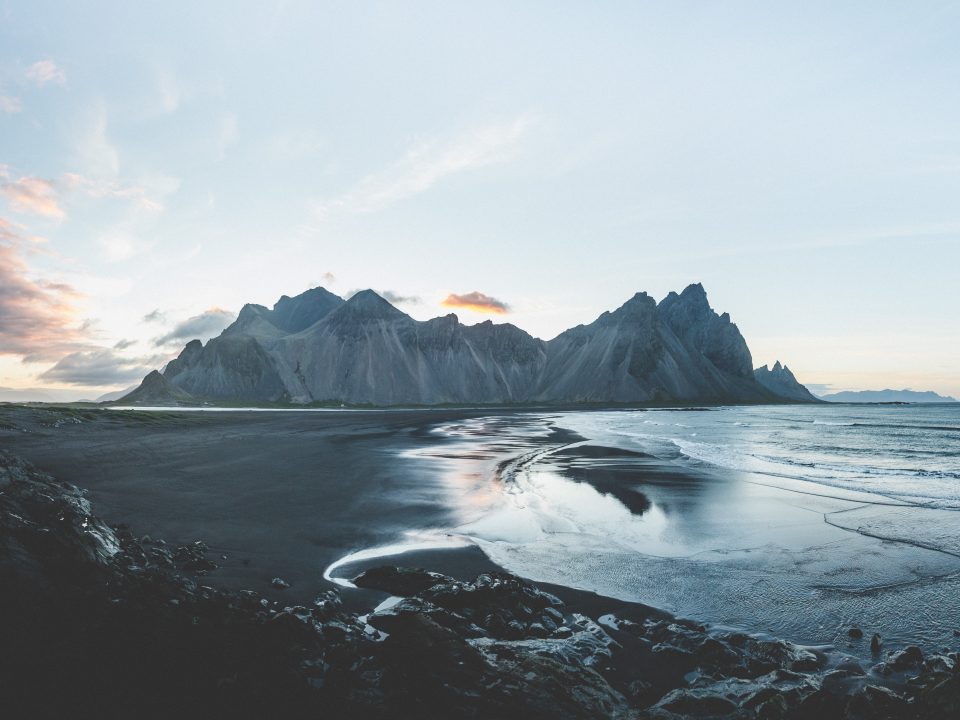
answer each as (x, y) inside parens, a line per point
(367, 351)
(679, 350)
(156, 389)
(780, 381)
(316, 347)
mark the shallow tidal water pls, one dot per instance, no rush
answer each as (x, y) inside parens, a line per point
(796, 521)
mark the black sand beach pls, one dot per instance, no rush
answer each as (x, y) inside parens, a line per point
(285, 494)
(272, 494)
(280, 494)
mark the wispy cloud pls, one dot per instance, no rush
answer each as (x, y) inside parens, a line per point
(118, 244)
(95, 155)
(228, 135)
(110, 189)
(32, 195)
(10, 105)
(398, 299)
(203, 326)
(388, 295)
(427, 163)
(38, 318)
(9, 231)
(476, 301)
(100, 368)
(43, 72)
(155, 316)
(169, 91)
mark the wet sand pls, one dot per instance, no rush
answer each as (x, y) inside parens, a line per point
(280, 494)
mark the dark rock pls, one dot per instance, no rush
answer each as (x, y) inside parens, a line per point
(942, 700)
(855, 632)
(403, 581)
(877, 702)
(692, 703)
(905, 659)
(875, 642)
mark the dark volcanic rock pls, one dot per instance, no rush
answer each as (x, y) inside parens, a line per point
(96, 623)
(399, 580)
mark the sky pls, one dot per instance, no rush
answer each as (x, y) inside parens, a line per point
(163, 163)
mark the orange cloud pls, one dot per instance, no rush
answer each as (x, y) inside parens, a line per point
(476, 301)
(32, 195)
(37, 317)
(8, 230)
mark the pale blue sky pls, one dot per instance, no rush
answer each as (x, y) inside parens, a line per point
(801, 160)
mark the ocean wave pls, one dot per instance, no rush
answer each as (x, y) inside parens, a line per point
(882, 482)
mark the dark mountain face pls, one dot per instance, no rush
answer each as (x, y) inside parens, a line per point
(157, 390)
(780, 381)
(289, 315)
(315, 347)
(692, 320)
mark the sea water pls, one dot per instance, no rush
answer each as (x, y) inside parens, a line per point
(797, 521)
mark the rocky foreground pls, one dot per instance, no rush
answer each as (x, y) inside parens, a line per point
(95, 622)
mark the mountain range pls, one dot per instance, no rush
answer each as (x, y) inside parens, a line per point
(319, 348)
(880, 396)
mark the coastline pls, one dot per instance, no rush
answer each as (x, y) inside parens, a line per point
(287, 495)
(163, 485)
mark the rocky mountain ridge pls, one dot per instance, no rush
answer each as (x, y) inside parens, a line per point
(887, 396)
(781, 381)
(319, 348)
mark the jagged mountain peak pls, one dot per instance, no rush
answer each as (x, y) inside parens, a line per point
(289, 314)
(317, 347)
(782, 382)
(293, 314)
(694, 291)
(367, 297)
(362, 307)
(693, 299)
(639, 307)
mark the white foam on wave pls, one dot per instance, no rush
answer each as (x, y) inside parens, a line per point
(937, 490)
(416, 540)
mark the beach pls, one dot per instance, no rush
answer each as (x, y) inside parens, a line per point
(548, 496)
(381, 539)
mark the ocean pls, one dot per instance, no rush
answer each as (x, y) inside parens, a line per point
(795, 521)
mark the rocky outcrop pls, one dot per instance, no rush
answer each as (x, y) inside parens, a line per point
(780, 381)
(96, 622)
(317, 348)
(157, 389)
(679, 350)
